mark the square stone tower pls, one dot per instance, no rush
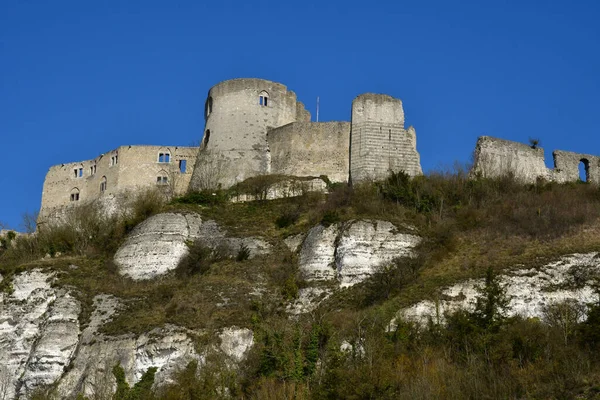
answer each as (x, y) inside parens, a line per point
(379, 144)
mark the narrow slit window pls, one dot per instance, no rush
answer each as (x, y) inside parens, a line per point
(103, 184)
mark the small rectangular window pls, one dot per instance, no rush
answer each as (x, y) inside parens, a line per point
(80, 172)
(182, 166)
(167, 156)
(266, 101)
(261, 100)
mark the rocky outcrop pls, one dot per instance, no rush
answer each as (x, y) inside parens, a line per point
(235, 342)
(350, 252)
(38, 332)
(41, 343)
(157, 245)
(529, 290)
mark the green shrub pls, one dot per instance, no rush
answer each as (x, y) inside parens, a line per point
(289, 217)
(198, 260)
(204, 197)
(243, 253)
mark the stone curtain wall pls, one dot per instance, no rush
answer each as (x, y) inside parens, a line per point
(60, 181)
(379, 142)
(237, 124)
(311, 149)
(136, 168)
(566, 166)
(139, 167)
(497, 157)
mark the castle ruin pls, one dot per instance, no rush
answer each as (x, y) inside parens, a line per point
(253, 127)
(497, 157)
(257, 127)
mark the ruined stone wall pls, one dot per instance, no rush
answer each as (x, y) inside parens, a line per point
(566, 166)
(126, 169)
(497, 157)
(234, 146)
(64, 180)
(311, 149)
(379, 143)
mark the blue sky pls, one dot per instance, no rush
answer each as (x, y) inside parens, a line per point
(79, 78)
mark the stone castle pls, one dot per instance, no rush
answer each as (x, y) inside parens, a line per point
(253, 127)
(257, 127)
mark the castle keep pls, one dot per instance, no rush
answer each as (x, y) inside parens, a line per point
(256, 127)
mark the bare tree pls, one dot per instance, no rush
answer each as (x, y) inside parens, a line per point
(209, 171)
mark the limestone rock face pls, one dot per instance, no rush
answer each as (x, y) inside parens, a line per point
(529, 290)
(364, 245)
(235, 342)
(317, 255)
(158, 244)
(38, 333)
(41, 343)
(350, 252)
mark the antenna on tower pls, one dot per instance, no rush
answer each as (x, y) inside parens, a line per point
(317, 108)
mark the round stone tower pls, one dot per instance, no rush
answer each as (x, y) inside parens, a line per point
(238, 114)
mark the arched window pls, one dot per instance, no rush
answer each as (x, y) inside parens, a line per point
(263, 99)
(103, 184)
(208, 107)
(74, 194)
(584, 170)
(164, 155)
(162, 178)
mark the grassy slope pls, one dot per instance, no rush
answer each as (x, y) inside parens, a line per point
(467, 227)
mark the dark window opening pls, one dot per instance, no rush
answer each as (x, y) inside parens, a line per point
(584, 170)
(164, 157)
(162, 180)
(103, 184)
(206, 138)
(209, 106)
(74, 196)
(182, 166)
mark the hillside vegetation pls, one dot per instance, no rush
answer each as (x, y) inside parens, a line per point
(345, 348)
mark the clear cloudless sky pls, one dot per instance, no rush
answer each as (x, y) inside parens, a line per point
(79, 78)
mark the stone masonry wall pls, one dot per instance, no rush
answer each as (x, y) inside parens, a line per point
(126, 169)
(379, 143)
(311, 149)
(497, 157)
(566, 166)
